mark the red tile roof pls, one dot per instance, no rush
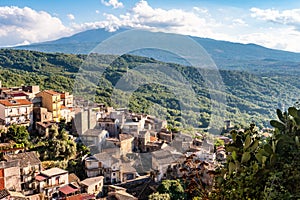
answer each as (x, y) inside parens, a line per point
(153, 139)
(17, 94)
(68, 189)
(40, 177)
(17, 102)
(51, 92)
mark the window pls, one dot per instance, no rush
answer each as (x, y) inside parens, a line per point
(114, 174)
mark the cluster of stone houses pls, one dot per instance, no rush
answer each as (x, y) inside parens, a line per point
(27, 105)
(126, 147)
(22, 175)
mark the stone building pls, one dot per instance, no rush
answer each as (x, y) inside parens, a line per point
(92, 185)
(164, 159)
(49, 181)
(10, 176)
(41, 114)
(103, 164)
(132, 127)
(110, 125)
(85, 119)
(19, 171)
(165, 135)
(94, 137)
(143, 140)
(43, 127)
(67, 99)
(126, 143)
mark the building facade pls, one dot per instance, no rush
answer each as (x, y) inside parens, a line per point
(17, 111)
(52, 101)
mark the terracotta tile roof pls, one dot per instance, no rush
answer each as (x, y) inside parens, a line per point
(51, 92)
(16, 94)
(106, 158)
(40, 177)
(73, 178)
(26, 158)
(4, 193)
(17, 102)
(153, 139)
(166, 157)
(68, 189)
(93, 180)
(127, 168)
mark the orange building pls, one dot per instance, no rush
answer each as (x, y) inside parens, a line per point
(52, 101)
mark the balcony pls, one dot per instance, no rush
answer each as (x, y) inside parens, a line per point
(46, 186)
(17, 114)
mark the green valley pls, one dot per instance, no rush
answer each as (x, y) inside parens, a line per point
(249, 96)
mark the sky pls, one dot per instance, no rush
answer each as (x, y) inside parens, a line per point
(273, 24)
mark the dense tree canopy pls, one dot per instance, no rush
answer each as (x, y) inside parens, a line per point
(173, 188)
(249, 97)
(18, 134)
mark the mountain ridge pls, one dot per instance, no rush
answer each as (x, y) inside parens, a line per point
(224, 53)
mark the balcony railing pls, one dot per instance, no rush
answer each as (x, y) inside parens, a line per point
(53, 185)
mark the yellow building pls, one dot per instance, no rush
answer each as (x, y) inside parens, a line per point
(52, 101)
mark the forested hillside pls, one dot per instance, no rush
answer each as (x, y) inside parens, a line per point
(249, 97)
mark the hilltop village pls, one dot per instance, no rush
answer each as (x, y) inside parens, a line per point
(122, 155)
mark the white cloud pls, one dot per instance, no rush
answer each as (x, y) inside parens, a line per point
(71, 16)
(25, 25)
(286, 17)
(113, 3)
(285, 36)
(277, 38)
(97, 11)
(142, 15)
(231, 26)
(239, 22)
(88, 25)
(200, 10)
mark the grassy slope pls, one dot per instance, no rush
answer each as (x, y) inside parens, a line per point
(249, 97)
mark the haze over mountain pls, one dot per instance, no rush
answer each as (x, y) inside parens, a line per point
(226, 55)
